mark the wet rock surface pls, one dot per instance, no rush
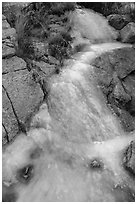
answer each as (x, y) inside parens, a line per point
(129, 158)
(115, 74)
(127, 34)
(74, 142)
(118, 21)
(120, 15)
(108, 8)
(80, 140)
(96, 164)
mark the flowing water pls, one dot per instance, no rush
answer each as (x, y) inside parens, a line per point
(89, 25)
(74, 149)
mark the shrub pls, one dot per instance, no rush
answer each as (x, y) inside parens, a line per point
(37, 17)
(59, 46)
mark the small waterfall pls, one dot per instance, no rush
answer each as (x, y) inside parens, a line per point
(92, 26)
(74, 148)
(75, 151)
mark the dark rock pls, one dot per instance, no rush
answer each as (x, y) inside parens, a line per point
(129, 158)
(124, 61)
(118, 21)
(120, 61)
(99, 7)
(128, 8)
(120, 94)
(115, 76)
(107, 8)
(25, 174)
(126, 119)
(96, 164)
(129, 86)
(128, 83)
(127, 34)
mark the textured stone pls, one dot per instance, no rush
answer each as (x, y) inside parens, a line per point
(8, 40)
(5, 24)
(8, 118)
(120, 94)
(127, 34)
(25, 95)
(115, 75)
(7, 51)
(129, 158)
(13, 64)
(4, 136)
(124, 62)
(108, 8)
(118, 21)
(8, 33)
(74, 142)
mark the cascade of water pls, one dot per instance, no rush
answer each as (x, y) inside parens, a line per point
(92, 26)
(76, 153)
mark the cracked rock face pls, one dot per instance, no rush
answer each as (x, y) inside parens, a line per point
(8, 38)
(128, 33)
(115, 74)
(20, 91)
(25, 96)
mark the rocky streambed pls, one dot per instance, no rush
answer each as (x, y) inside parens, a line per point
(73, 116)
